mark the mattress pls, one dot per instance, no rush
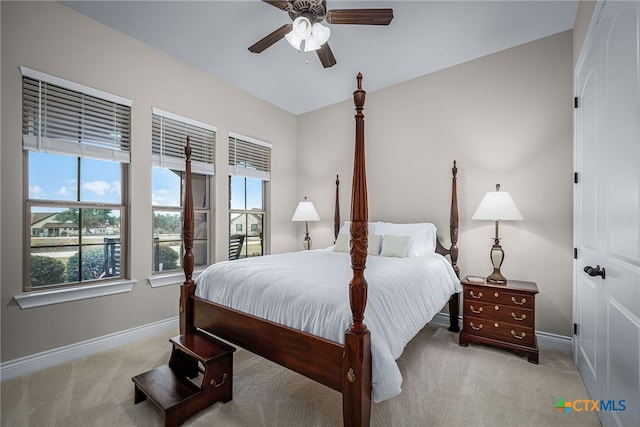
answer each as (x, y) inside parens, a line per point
(309, 291)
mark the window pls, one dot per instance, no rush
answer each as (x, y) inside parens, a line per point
(169, 135)
(76, 145)
(249, 170)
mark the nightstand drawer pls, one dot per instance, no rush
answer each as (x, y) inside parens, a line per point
(498, 312)
(495, 295)
(499, 330)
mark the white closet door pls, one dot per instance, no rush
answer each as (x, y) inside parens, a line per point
(607, 214)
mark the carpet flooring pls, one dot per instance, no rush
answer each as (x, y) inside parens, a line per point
(444, 385)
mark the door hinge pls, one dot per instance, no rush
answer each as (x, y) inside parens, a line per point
(575, 102)
(575, 177)
(575, 253)
(575, 329)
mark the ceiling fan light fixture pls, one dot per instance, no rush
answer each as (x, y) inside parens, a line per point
(311, 44)
(302, 27)
(320, 33)
(294, 40)
(305, 37)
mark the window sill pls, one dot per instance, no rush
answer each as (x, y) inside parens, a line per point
(57, 296)
(170, 279)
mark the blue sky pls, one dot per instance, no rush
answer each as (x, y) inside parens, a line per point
(55, 177)
(254, 193)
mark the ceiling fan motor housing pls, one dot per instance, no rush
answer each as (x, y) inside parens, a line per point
(313, 10)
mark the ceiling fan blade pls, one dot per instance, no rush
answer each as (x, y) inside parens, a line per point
(280, 4)
(360, 16)
(267, 41)
(326, 56)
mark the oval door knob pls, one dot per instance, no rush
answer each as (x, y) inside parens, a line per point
(594, 271)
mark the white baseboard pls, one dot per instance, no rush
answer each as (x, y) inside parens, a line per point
(545, 339)
(46, 359)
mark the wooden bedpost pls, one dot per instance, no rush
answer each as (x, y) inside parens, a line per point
(356, 365)
(188, 287)
(453, 219)
(454, 301)
(336, 212)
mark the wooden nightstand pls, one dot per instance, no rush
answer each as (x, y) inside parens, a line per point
(500, 315)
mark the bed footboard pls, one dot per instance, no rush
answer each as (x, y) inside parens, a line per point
(312, 356)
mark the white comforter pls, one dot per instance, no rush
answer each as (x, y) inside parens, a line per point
(309, 291)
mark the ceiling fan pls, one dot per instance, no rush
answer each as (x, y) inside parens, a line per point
(306, 33)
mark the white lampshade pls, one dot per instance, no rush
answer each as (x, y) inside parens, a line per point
(305, 212)
(293, 40)
(497, 206)
(320, 33)
(302, 27)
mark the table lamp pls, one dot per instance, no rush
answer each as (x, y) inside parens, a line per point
(497, 206)
(306, 212)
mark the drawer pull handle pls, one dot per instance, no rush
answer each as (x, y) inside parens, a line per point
(524, 316)
(477, 328)
(474, 295)
(496, 308)
(496, 295)
(216, 384)
(522, 335)
(476, 311)
(515, 301)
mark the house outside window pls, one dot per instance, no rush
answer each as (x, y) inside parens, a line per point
(169, 135)
(249, 174)
(76, 154)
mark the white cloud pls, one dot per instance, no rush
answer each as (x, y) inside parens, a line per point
(162, 197)
(35, 192)
(63, 191)
(115, 187)
(98, 187)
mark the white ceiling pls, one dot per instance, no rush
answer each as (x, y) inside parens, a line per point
(424, 36)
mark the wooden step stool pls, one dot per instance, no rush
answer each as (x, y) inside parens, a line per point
(199, 373)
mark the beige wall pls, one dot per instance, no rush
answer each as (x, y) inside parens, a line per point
(506, 118)
(49, 37)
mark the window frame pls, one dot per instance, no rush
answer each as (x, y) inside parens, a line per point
(197, 210)
(168, 129)
(245, 225)
(249, 158)
(36, 138)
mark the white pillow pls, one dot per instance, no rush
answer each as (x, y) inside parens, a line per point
(395, 246)
(375, 243)
(342, 243)
(422, 235)
(346, 228)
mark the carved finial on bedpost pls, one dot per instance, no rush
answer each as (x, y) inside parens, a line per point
(358, 99)
(188, 287)
(453, 226)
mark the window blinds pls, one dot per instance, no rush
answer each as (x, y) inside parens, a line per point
(169, 136)
(62, 117)
(249, 157)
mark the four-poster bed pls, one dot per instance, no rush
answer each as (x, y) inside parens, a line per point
(344, 366)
